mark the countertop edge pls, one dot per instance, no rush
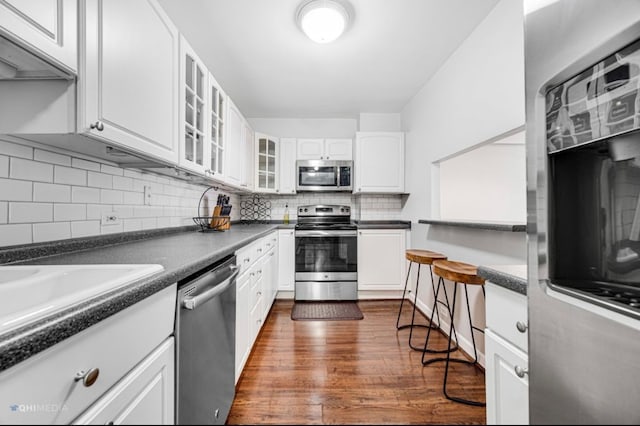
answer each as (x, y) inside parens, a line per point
(503, 279)
(383, 224)
(19, 344)
(491, 226)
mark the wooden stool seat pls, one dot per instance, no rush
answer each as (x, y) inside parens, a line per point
(424, 257)
(457, 272)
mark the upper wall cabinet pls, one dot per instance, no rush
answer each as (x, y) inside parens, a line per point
(266, 163)
(235, 145)
(287, 175)
(324, 149)
(48, 27)
(379, 162)
(129, 77)
(248, 161)
(193, 110)
(216, 129)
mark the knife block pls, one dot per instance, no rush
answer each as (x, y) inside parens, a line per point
(219, 222)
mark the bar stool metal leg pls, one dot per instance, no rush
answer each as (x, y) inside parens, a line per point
(426, 342)
(449, 359)
(406, 282)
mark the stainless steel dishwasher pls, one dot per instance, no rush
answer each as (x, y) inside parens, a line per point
(205, 344)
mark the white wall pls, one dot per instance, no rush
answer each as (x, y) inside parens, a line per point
(475, 96)
(485, 184)
(306, 127)
(374, 122)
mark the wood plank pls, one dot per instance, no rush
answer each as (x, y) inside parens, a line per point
(350, 372)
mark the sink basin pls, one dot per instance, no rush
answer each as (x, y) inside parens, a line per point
(30, 292)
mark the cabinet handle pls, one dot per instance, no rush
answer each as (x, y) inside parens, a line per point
(520, 372)
(259, 293)
(272, 254)
(259, 250)
(88, 377)
(268, 244)
(328, 157)
(98, 125)
(246, 259)
(260, 271)
(277, 190)
(521, 326)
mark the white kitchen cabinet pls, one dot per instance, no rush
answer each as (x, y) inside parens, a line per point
(379, 162)
(113, 346)
(48, 28)
(273, 258)
(144, 396)
(266, 178)
(235, 144)
(288, 149)
(248, 161)
(507, 380)
(381, 260)
(286, 260)
(325, 149)
(243, 310)
(129, 93)
(216, 129)
(193, 110)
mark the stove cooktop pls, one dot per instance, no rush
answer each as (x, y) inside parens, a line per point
(326, 226)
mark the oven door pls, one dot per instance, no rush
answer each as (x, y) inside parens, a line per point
(326, 255)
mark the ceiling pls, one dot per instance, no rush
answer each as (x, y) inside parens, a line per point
(271, 69)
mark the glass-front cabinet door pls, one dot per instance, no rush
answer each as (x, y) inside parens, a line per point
(217, 100)
(193, 111)
(266, 162)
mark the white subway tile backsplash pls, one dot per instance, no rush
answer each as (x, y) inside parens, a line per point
(109, 196)
(133, 174)
(123, 183)
(81, 194)
(16, 190)
(11, 235)
(95, 211)
(30, 212)
(62, 212)
(19, 168)
(111, 229)
(16, 150)
(4, 166)
(133, 198)
(132, 225)
(51, 157)
(123, 211)
(51, 192)
(100, 180)
(85, 228)
(4, 209)
(69, 176)
(51, 231)
(150, 223)
(79, 163)
(117, 171)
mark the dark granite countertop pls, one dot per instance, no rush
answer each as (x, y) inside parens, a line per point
(490, 226)
(383, 224)
(180, 253)
(511, 277)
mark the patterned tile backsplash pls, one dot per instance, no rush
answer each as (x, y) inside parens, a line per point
(365, 207)
(46, 196)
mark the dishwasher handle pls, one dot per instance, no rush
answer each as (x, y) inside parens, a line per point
(192, 302)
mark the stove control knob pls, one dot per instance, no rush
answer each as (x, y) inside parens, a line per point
(306, 210)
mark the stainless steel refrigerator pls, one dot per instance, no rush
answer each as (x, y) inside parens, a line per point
(582, 78)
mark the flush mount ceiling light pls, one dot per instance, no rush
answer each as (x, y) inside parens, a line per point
(322, 21)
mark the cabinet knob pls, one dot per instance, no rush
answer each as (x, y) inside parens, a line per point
(520, 372)
(277, 190)
(521, 326)
(98, 125)
(88, 377)
(272, 254)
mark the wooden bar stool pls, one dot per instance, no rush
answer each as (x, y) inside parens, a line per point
(421, 257)
(465, 274)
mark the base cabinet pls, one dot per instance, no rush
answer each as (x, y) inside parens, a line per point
(287, 260)
(144, 396)
(507, 361)
(381, 264)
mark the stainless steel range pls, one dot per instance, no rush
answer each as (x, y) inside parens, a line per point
(326, 254)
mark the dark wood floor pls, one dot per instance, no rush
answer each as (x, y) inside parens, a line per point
(350, 372)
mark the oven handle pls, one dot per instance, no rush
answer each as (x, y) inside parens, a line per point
(326, 233)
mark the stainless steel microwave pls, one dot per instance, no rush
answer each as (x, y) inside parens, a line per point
(324, 175)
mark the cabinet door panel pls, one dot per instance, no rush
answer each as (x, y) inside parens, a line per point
(379, 162)
(288, 149)
(310, 149)
(381, 264)
(507, 394)
(243, 329)
(131, 83)
(287, 257)
(338, 149)
(48, 26)
(235, 142)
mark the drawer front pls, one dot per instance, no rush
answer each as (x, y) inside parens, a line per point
(245, 257)
(506, 314)
(42, 388)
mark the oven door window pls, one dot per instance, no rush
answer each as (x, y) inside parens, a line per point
(326, 254)
(317, 176)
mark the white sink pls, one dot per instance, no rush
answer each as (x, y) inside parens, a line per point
(29, 292)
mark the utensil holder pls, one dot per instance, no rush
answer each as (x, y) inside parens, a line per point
(218, 221)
